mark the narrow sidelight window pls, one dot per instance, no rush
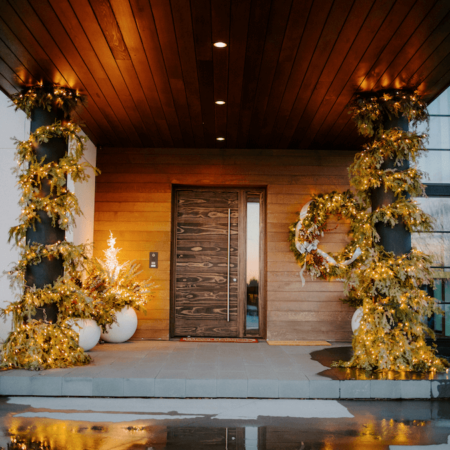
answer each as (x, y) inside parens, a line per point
(253, 263)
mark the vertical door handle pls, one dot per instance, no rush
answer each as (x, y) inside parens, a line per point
(228, 267)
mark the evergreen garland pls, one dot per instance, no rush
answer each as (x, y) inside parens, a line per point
(37, 344)
(61, 205)
(48, 97)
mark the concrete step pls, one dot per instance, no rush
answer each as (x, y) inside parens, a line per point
(227, 385)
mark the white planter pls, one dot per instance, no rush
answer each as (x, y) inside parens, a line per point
(356, 318)
(88, 331)
(124, 328)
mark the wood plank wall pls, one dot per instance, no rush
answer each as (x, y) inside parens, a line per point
(133, 200)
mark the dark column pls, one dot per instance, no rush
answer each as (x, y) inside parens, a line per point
(48, 271)
(398, 238)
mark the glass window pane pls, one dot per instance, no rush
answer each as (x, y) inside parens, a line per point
(446, 307)
(439, 132)
(447, 320)
(446, 296)
(253, 269)
(436, 165)
(437, 245)
(441, 105)
(439, 208)
(438, 297)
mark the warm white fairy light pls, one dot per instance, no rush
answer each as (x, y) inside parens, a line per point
(111, 262)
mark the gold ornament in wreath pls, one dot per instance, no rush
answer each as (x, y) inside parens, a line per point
(304, 234)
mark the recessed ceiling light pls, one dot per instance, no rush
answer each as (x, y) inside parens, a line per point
(220, 44)
(220, 102)
(220, 138)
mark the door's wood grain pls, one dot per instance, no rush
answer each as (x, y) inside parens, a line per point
(201, 266)
(209, 328)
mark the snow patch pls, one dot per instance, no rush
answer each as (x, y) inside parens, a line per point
(217, 408)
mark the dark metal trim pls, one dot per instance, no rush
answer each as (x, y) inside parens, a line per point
(433, 232)
(437, 190)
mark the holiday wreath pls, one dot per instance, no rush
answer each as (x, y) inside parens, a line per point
(304, 234)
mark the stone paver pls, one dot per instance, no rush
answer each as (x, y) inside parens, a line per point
(209, 370)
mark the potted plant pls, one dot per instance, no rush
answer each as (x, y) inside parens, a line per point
(116, 293)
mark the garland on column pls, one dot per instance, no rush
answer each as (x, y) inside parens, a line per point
(36, 344)
(63, 207)
(392, 331)
(391, 335)
(39, 96)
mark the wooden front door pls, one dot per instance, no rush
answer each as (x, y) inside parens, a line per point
(206, 265)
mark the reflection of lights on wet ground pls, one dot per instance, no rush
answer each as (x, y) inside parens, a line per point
(48, 434)
(402, 435)
(393, 432)
(366, 425)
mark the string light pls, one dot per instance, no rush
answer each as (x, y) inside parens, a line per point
(48, 97)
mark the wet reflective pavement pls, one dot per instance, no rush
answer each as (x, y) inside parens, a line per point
(332, 354)
(151, 424)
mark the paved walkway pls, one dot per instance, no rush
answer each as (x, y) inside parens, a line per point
(210, 370)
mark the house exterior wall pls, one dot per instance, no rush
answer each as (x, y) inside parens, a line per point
(134, 201)
(83, 233)
(14, 124)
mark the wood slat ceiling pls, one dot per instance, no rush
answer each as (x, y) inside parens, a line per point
(152, 74)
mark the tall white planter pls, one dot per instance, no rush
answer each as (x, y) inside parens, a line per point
(356, 319)
(88, 332)
(124, 328)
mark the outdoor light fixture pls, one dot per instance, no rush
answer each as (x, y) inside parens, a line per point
(220, 138)
(220, 44)
(220, 102)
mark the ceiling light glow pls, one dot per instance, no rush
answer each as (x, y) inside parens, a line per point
(220, 44)
(220, 138)
(220, 102)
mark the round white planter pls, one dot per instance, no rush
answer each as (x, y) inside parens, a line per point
(356, 318)
(124, 328)
(88, 331)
